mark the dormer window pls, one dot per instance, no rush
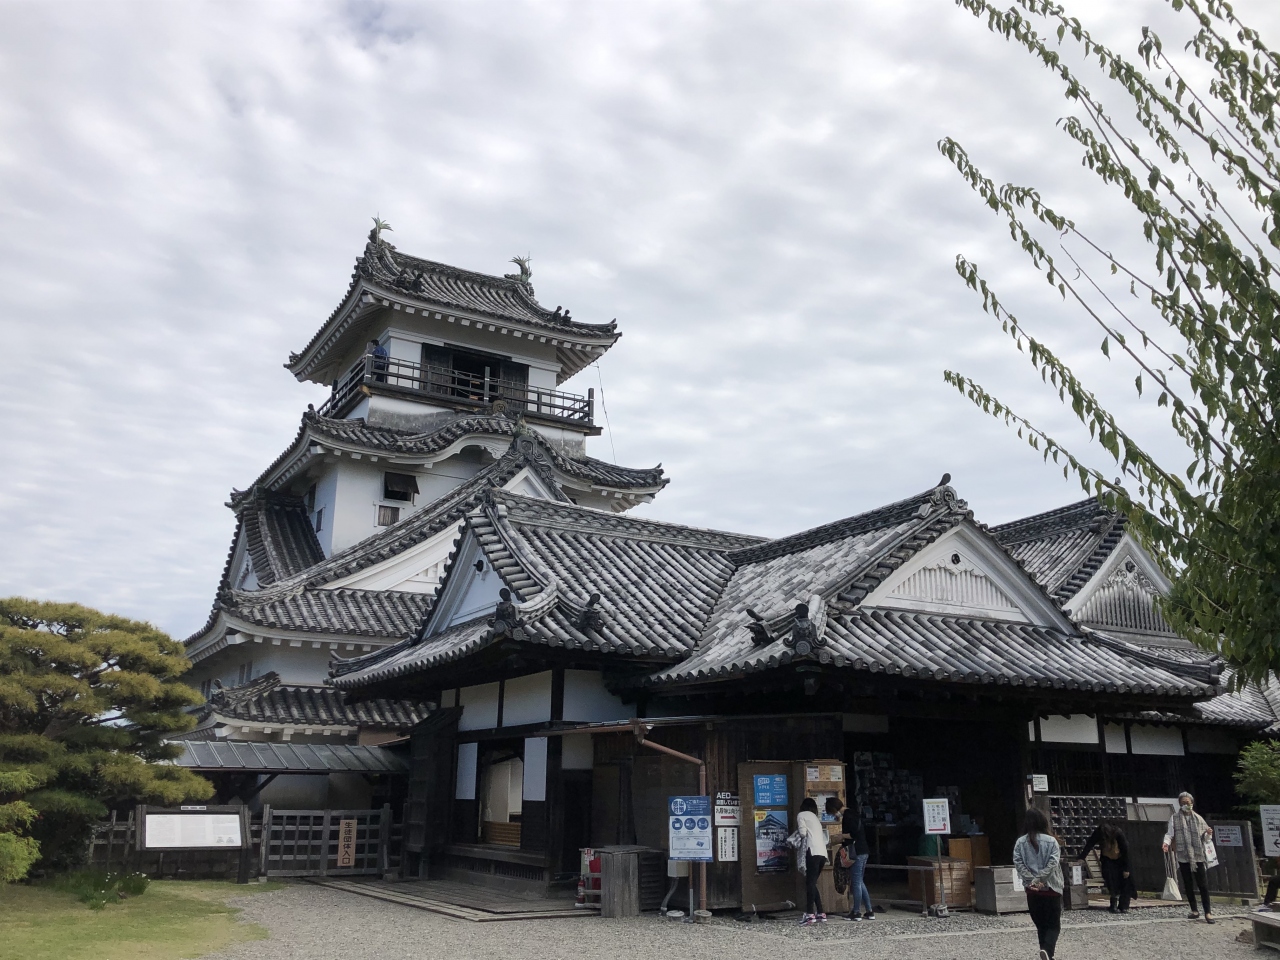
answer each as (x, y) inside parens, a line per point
(399, 486)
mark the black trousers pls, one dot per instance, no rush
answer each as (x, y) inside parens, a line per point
(1273, 886)
(1113, 876)
(812, 871)
(1202, 878)
(1046, 914)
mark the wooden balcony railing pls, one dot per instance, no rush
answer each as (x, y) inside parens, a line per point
(456, 388)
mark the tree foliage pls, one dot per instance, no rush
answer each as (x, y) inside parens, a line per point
(1199, 323)
(1258, 777)
(86, 700)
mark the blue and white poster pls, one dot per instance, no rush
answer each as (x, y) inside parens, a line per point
(771, 789)
(689, 829)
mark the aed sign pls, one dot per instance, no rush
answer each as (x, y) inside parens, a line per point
(689, 829)
(728, 810)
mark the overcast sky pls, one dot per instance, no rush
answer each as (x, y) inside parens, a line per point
(751, 189)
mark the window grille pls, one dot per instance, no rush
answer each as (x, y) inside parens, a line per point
(388, 515)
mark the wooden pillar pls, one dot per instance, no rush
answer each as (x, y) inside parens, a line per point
(555, 806)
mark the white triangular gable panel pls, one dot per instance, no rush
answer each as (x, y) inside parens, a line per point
(965, 574)
(1122, 594)
(527, 484)
(417, 570)
(469, 592)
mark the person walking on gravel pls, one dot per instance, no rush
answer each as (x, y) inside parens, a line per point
(1187, 836)
(1038, 861)
(815, 850)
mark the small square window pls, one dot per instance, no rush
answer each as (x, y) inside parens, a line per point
(399, 486)
(388, 515)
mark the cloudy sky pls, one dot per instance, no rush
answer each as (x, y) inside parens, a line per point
(752, 189)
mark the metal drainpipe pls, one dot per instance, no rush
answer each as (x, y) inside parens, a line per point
(639, 727)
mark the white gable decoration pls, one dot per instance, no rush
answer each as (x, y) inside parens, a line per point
(471, 589)
(1122, 594)
(964, 574)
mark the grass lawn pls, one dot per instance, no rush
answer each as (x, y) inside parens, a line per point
(173, 920)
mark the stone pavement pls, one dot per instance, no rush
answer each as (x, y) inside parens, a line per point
(314, 923)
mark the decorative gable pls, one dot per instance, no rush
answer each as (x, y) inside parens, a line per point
(1123, 594)
(955, 581)
(965, 573)
(470, 588)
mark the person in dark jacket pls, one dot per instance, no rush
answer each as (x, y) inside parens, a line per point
(1113, 854)
(854, 834)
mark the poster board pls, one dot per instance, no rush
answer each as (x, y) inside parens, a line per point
(194, 828)
(689, 829)
(937, 816)
(769, 886)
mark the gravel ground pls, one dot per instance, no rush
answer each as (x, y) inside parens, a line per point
(313, 923)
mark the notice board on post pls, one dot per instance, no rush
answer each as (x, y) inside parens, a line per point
(224, 827)
(767, 871)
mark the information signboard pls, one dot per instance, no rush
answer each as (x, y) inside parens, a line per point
(937, 816)
(1228, 835)
(771, 831)
(1270, 828)
(1040, 783)
(689, 833)
(170, 831)
(728, 810)
(770, 789)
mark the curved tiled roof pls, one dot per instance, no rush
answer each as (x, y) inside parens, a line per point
(958, 650)
(1063, 548)
(278, 535)
(363, 613)
(358, 434)
(448, 288)
(266, 700)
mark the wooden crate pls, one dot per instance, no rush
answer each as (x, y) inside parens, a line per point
(956, 874)
(997, 890)
(975, 849)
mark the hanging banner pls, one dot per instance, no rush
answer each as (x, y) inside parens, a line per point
(689, 836)
(937, 816)
(772, 853)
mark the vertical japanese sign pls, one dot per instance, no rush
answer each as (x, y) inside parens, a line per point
(937, 816)
(689, 833)
(727, 844)
(346, 843)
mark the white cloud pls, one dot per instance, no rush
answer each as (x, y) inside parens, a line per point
(752, 189)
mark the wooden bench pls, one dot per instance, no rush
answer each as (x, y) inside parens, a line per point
(1266, 930)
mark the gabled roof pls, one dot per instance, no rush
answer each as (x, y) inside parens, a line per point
(1063, 548)
(278, 535)
(301, 601)
(383, 272)
(266, 700)
(683, 595)
(657, 581)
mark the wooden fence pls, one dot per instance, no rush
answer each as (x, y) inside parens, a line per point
(1235, 876)
(299, 843)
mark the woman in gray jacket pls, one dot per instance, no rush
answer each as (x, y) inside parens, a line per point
(1038, 860)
